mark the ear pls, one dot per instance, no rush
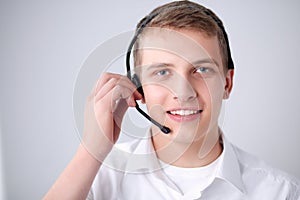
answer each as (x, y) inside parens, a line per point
(228, 83)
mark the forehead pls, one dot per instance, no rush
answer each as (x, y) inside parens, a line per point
(190, 45)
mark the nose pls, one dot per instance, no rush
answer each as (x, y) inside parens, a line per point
(183, 90)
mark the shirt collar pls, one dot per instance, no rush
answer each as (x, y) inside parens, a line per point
(143, 159)
(229, 168)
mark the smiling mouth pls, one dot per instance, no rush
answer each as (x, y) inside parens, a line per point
(184, 112)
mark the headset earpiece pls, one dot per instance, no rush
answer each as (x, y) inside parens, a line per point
(136, 81)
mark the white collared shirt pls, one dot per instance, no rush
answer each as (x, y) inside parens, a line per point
(132, 171)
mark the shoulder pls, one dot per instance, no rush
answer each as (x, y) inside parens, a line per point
(255, 164)
(118, 157)
(106, 184)
(257, 172)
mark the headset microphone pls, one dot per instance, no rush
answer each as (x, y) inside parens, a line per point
(164, 129)
(135, 79)
(137, 83)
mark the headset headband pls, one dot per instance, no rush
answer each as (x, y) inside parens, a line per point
(135, 37)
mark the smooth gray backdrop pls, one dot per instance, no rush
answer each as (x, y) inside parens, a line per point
(44, 43)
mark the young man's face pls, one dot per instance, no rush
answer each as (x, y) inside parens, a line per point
(184, 82)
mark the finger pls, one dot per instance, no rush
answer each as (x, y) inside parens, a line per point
(121, 92)
(106, 88)
(131, 101)
(126, 82)
(122, 82)
(105, 77)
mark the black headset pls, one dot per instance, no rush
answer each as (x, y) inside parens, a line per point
(135, 79)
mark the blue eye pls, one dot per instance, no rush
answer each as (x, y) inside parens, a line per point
(162, 72)
(202, 70)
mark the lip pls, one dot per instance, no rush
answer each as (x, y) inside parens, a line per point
(184, 118)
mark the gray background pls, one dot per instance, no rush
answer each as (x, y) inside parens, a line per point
(44, 43)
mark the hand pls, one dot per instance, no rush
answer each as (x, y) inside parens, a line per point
(104, 111)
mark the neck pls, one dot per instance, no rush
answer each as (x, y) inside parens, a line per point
(183, 154)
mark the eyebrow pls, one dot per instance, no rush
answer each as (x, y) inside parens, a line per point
(159, 65)
(197, 62)
(207, 60)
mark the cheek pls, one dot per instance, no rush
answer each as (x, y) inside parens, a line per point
(210, 91)
(155, 99)
(154, 94)
(216, 92)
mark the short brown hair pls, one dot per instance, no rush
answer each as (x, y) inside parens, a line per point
(187, 15)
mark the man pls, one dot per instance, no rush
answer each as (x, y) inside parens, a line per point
(183, 61)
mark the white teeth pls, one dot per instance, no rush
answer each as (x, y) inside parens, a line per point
(184, 112)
